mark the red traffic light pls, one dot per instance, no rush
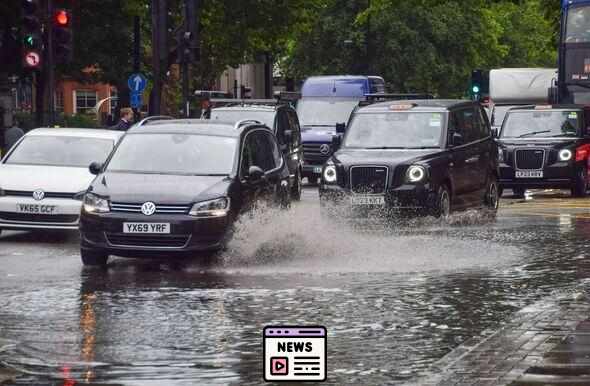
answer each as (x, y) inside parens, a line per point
(62, 18)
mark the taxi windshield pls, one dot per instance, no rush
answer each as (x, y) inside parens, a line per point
(531, 123)
(173, 153)
(64, 150)
(395, 130)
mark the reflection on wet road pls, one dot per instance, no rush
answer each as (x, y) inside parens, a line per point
(394, 299)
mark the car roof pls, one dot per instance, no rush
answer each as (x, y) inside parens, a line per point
(77, 132)
(553, 107)
(247, 107)
(419, 105)
(194, 126)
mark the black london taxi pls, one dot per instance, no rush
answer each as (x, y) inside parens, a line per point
(427, 157)
(177, 186)
(545, 146)
(277, 114)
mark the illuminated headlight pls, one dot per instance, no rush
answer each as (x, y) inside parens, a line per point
(330, 175)
(500, 154)
(565, 155)
(212, 208)
(96, 204)
(416, 173)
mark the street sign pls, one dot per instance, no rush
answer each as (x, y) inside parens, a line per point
(137, 83)
(135, 100)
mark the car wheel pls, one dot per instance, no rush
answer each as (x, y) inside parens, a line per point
(442, 207)
(492, 196)
(296, 188)
(93, 257)
(518, 192)
(581, 184)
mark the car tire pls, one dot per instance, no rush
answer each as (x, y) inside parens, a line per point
(518, 192)
(580, 187)
(491, 198)
(93, 257)
(442, 206)
(296, 188)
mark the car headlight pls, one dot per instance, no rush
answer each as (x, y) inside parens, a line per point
(212, 208)
(416, 173)
(330, 175)
(565, 155)
(96, 204)
(500, 154)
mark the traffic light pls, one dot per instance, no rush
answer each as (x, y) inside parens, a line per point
(477, 84)
(62, 36)
(32, 42)
(188, 37)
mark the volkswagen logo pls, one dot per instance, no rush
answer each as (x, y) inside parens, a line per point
(148, 208)
(38, 195)
(325, 149)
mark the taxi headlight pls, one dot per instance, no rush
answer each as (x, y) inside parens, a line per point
(330, 175)
(416, 173)
(212, 208)
(96, 204)
(500, 154)
(565, 155)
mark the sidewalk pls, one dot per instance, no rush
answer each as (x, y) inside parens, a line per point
(547, 343)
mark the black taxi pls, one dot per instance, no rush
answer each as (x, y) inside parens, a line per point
(545, 146)
(423, 156)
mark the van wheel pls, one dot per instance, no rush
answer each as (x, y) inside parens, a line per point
(581, 184)
(93, 257)
(518, 192)
(296, 188)
(442, 207)
(492, 196)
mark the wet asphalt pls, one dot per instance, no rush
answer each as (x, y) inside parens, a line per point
(394, 298)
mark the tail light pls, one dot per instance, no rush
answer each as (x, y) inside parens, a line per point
(582, 153)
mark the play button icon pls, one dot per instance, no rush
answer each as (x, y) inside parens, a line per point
(279, 366)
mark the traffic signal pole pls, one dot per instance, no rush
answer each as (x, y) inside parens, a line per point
(50, 67)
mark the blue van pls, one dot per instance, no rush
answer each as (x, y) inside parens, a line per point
(327, 102)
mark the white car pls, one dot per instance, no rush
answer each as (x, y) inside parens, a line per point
(44, 176)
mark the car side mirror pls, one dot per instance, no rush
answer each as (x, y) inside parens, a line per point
(457, 139)
(340, 128)
(95, 168)
(288, 135)
(255, 174)
(336, 142)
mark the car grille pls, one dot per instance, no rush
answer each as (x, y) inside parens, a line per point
(38, 218)
(24, 193)
(148, 241)
(313, 155)
(160, 209)
(368, 179)
(529, 159)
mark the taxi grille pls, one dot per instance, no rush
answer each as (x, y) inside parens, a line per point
(368, 179)
(529, 159)
(160, 209)
(41, 218)
(147, 241)
(312, 153)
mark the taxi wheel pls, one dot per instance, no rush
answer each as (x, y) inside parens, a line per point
(92, 257)
(443, 203)
(581, 185)
(492, 197)
(296, 189)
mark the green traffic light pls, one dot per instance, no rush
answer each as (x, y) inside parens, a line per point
(475, 89)
(29, 40)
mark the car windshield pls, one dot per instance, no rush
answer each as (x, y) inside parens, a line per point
(172, 153)
(499, 113)
(530, 123)
(578, 25)
(266, 117)
(325, 112)
(60, 151)
(395, 130)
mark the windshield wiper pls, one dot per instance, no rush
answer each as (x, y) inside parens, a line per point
(384, 148)
(533, 133)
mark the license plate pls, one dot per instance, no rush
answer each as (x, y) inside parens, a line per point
(149, 228)
(36, 209)
(317, 170)
(529, 174)
(367, 200)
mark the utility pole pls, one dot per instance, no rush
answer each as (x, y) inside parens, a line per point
(50, 65)
(368, 41)
(188, 49)
(159, 51)
(136, 56)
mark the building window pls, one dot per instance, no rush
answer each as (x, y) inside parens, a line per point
(85, 100)
(59, 101)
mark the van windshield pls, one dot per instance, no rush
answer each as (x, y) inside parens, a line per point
(325, 112)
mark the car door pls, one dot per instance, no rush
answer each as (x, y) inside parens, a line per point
(295, 154)
(486, 147)
(458, 168)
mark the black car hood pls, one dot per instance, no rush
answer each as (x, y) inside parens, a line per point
(537, 141)
(159, 188)
(383, 157)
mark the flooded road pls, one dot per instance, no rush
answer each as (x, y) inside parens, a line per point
(394, 299)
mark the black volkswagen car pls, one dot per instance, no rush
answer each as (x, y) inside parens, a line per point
(177, 186)
(545, 147)
(423, 156)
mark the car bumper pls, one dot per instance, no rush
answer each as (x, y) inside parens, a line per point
(50, 213)
(410, 199)
(187, 234)
(561, 175)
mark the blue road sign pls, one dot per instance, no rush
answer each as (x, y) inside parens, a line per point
(136, 101)
(137, 83)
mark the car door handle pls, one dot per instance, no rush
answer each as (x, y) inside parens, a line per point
(472, 160)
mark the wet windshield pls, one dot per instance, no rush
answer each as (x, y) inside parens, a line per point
(578, 25)
(531, 123)
(499, 113)
(60, 151)
(174, 154)
(395, 130)
(325, 112)
(266, 117)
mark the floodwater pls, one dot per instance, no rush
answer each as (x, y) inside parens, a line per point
(394, 299)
